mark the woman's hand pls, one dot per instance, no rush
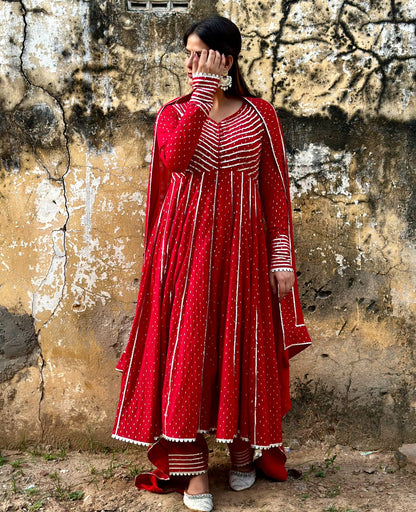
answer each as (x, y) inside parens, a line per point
(210, 61)
(281, 282)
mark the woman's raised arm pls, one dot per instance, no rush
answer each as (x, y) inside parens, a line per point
(178, 136)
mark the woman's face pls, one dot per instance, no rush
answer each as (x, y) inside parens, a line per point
(194, 45)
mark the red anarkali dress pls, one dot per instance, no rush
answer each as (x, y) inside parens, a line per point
(209, 346)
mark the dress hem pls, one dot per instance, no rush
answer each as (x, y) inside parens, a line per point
(192, 440)
(176, 473)
(178, 439)
(127, 440)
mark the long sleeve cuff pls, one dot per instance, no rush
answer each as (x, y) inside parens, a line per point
(204, 87)
(281, 257)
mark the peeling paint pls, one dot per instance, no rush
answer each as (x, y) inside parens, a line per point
(317, 163)
(49, 203)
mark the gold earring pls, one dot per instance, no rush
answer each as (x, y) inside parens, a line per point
(225, 81)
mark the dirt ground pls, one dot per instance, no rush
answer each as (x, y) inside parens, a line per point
(334, 480)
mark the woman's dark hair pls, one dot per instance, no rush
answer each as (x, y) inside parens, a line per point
(223, 35)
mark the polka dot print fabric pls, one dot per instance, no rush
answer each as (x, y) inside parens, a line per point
(202, 354)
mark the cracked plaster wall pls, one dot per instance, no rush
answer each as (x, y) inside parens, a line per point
(80, 84)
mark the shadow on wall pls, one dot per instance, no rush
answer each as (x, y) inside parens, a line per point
(19, 346)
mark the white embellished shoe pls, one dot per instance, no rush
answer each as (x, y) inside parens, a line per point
(239, 481)
(198, 502)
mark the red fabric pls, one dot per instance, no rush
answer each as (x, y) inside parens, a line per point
(200, 354)
(272, 463)
(241, 453)
(164, 455)
(296, 337)
(161, 481)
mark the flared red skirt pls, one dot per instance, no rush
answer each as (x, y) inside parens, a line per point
(202, 351)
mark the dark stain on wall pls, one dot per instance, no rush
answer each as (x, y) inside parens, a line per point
(19, 346)
(411, 202)
(99, 129)
(28, 128)
(10, 146)
(101, 17)
(411, 214)
(333, 129)
(38, 123)
(384, 152)
(380, 415)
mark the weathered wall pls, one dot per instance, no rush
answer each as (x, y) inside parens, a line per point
(80, 83)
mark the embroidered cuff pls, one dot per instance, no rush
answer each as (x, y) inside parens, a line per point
(281, 257)
(205, 75)
(241, 458)
(193, 462)
(204, 87)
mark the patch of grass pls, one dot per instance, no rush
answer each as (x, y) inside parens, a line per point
(14, 485)
(109, 472)
(75, 495)
(321, 470)
(31, 491)
(51, 456)
(3, 460)
(60, 455)
(16, 464)
(90, 441)
(35, 452)
(64, 494)
(333, 491)
(134, 471)
(59, 491)
(46, 454)
(329, 463)
(97, 446)
(306, 474)
(23, 445)
(36, 506)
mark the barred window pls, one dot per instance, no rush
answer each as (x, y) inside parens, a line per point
(158, 5)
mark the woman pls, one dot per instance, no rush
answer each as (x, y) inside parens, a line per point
(218, 312)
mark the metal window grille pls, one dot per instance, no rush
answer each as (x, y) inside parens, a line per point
(158, 5)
